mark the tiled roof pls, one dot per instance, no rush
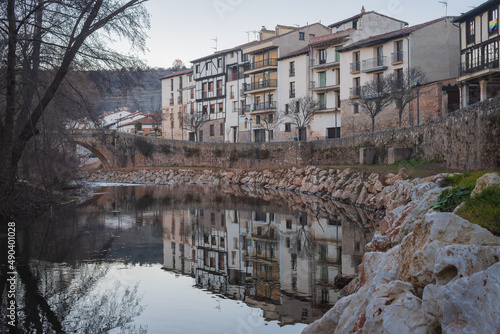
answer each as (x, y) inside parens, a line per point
(175, 74)
(388, 36)
(334, 38)
(295, 53)
(477, 10)
(222, 52)
(144, 121)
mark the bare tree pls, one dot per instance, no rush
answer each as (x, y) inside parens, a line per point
(402, 88)
(301, 112)
(51, 38)
(374, 97)
(269, 122)
(194, 122)
(178, 65)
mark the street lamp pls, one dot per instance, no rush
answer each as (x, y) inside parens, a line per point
(418, 85)
(249, 119)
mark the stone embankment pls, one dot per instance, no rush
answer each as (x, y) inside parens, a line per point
(368, 190)
(423, 272)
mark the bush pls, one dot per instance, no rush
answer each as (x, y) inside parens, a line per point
(145, 147)
(451, 198)
(484, 209)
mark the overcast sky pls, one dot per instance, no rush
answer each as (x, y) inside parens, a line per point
(186, 29)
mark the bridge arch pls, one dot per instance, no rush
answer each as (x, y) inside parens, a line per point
(102, 158)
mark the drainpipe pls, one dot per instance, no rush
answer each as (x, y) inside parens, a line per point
(409, 83)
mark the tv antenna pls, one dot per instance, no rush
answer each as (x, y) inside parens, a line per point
(445, 3)
(215, 40)
(254, 34)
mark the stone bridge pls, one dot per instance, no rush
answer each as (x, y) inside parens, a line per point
(466, 139)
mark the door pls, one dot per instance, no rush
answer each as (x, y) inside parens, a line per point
(322, 79)
(302, 134)
(260, 136)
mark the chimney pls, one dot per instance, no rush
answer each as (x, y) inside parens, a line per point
(362, 9)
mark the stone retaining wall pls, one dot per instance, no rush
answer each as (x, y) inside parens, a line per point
(467, 139)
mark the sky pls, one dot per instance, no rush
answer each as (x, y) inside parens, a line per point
(187, 29)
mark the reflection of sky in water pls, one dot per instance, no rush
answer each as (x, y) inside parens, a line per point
(174, 305)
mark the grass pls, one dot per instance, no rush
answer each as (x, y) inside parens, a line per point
(413, 162)
(484, 209)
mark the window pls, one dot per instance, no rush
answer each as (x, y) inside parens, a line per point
(297, 106)
(292, 68)
(190, 77)
(221, 107)
(270, 118)
(235, 106)
(398, 55)
(380, 56)
(219, 87)
(207, 65)
(322, 56)
(171, 84)
(355, 24)
(231, 92)
(219, 62)
(257, 119)
(355, 108)
(301, 36)
(212, 130)
(180, 82)
(198, 68)
(211, 86)
(286, 109)
(356, 62)
(212, 108)
(399, 77)
(192, 93)
(288, 127)
(289, 224)
(221, 129)
(471, 31)
(292, 89)
(493, 20)
(322, 101)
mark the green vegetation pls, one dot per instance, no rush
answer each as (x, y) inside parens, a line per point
(414, 162)
(451, 198)
(482, 209)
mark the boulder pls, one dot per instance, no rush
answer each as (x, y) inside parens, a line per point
(468, 305)
(434, 231)
(485, 181)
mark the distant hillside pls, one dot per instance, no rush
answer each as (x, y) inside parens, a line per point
(136, 89)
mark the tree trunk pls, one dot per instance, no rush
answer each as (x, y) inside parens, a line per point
(373, 124)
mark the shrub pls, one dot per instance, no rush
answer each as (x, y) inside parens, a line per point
(451, 198)
(484, 209)
(145, 147)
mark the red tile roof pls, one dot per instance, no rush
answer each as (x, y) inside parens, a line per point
(175, 74)
(295, 53)
(388, 36)
(334, 38)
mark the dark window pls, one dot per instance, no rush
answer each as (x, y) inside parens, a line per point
(221, 129)
(288, 223)
(211, 130)
(270, 118)
(288, 127)
(257, 119)
(286, 109)
(198, 68)
(292, 89)
(355, 108)
(322, 56)
(355, 24)
(292, 69)
(471, 31)
(301, 36)
(219, 62)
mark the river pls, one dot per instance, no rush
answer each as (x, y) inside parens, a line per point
(186, 259)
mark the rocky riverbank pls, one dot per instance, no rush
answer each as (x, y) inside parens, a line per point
(423, 272)
(368, 190)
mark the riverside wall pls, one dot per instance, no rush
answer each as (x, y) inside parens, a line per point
(466, 139)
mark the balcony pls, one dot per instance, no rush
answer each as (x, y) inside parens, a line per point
(397, 57)
(374, 64)
(263, 84)
(218, 93)
(292, 73)
(292, 93)
(261, 64)
(313, 85)
(355, 67)
(469, 69)
(322, 63)
(355, 92)
(263, 106)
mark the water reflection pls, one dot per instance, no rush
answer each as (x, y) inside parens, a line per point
(279, 252)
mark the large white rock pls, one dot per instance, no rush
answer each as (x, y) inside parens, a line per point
(469, 305)
(485, 181)
(456, 261)
(437, 230)
(329, 321)
(395, 309)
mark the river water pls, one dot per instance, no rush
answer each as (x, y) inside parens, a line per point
(186, 259)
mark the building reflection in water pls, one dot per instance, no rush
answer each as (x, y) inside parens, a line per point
(282, 262)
